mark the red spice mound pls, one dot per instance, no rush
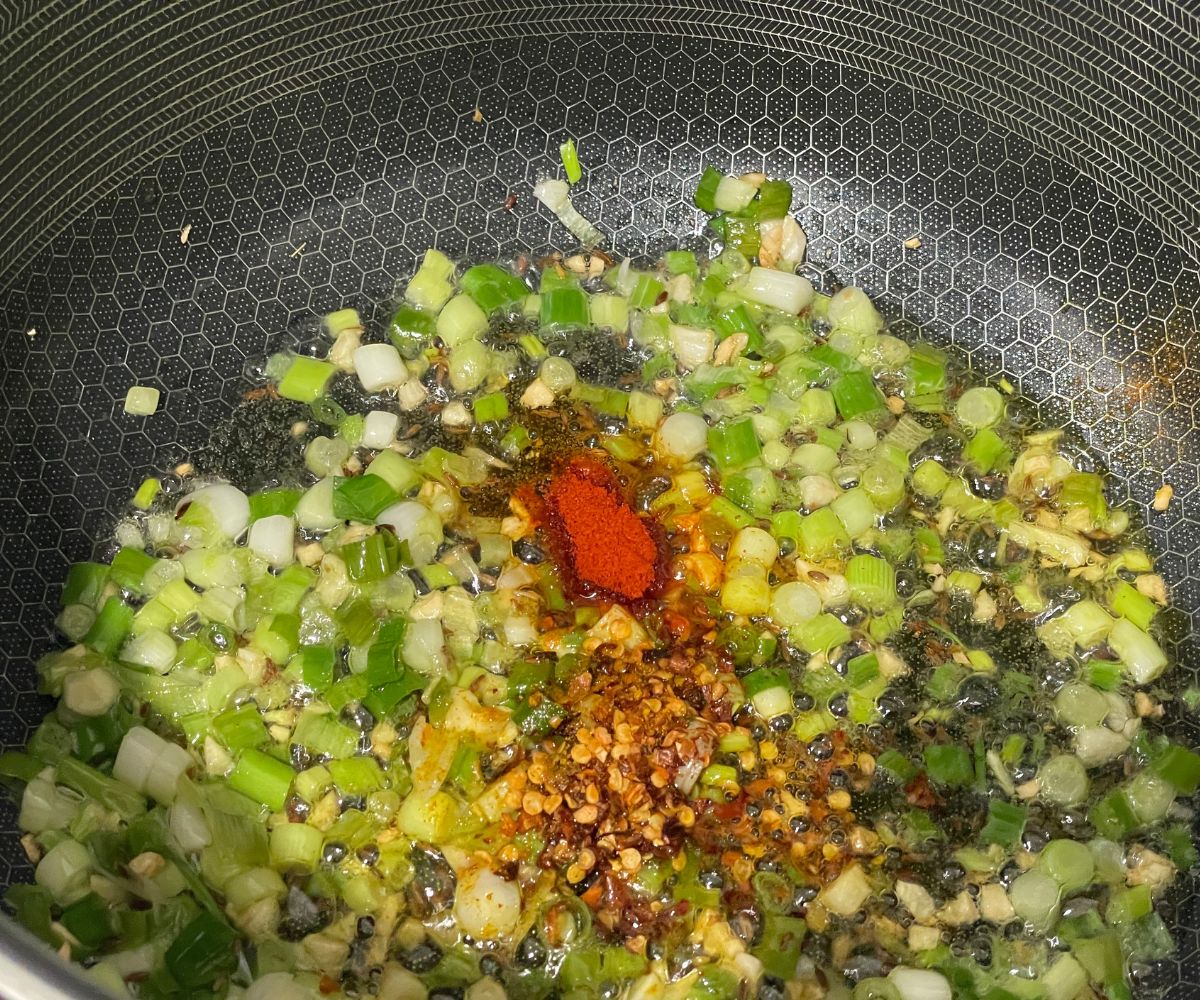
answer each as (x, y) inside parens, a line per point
(610, 547)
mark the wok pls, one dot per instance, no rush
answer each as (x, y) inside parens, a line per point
(1043, 153)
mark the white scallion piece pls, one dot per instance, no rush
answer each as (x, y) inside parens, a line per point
(379, 429)
(557, 374)
(64, 871)
(556, 196)
(852, 309)
(486, 905)
(755, 546)
(141, 400)
(139, 749)
(314, 512)
(273, 538)
(794, 603)
(425, 646)
(189, 827)
(162, 783)
(416, 524)
(980, 406)
(90, 692)
(683, 436)
(151, 648)
(277, 986)
(692, 345)
(227, 507)
(780, 290)
(846, 894)
(379, 366)
(46, 806)
(919, 984)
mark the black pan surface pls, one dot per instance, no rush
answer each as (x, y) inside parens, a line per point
(1067, 269)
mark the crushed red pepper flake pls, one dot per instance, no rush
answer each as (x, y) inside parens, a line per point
(614, 787)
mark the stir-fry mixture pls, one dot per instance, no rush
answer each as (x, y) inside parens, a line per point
(604, 629)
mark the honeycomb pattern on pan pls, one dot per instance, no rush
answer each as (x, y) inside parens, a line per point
(96, 91)
(323, 198)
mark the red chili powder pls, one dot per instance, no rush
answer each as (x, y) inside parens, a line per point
(610, 546)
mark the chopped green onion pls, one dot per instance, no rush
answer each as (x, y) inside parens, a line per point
(1181, 767)
(491, 407)
(738, 234)
(262, 778)
(85, 583)
(706, 190)
(856, 395)
(361, 498)
(1005, 823)
(680, 262)
(372, 558)
(1113, 816)
(313, 665)
(240, 728)
(1069, 863)
(646, 291)
(897, 765)
(930, 478)
(327, 411)
(872, 582)
(862, 670)
(821, 634)
(305, 379)
(323, 734)
(111, 626)
(822, 535)
(979, 407)
(1084, 490)
(356, 619)
(411, 329)
(492, 288)
(987, 452)
(570, 161)
(773, 201)
(733, 444)
(147, 493)
(949, 765)
(268, 503)
(564, 307)
(461, 321)
(296, 847)
(203, 950)
(1132, 604)
(769, 690)
(128, 568)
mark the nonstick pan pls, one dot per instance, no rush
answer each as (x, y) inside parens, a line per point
(1044, 155)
